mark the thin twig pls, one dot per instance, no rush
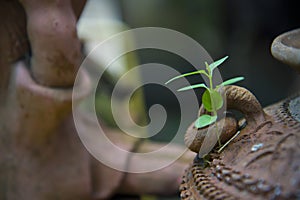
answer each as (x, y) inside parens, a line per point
(221, 149)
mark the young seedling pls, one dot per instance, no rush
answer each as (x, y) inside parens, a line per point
(212, 100)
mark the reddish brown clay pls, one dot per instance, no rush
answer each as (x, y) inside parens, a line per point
(260, 163)
(263, 161)
(237, 98)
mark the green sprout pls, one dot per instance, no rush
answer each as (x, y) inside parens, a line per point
(212, 100)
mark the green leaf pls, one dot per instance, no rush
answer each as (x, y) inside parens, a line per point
(215, 64)
(202, 85)
(187, 74)
(212, 100)
(205, 120)
(232, 80)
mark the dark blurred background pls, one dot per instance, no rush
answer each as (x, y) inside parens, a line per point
(243, 29)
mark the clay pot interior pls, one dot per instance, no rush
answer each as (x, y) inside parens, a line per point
(286, 48)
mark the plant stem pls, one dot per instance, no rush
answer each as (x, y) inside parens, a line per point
(211, 87)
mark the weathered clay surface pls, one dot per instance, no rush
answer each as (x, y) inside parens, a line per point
(260, 163)
(237, 98)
